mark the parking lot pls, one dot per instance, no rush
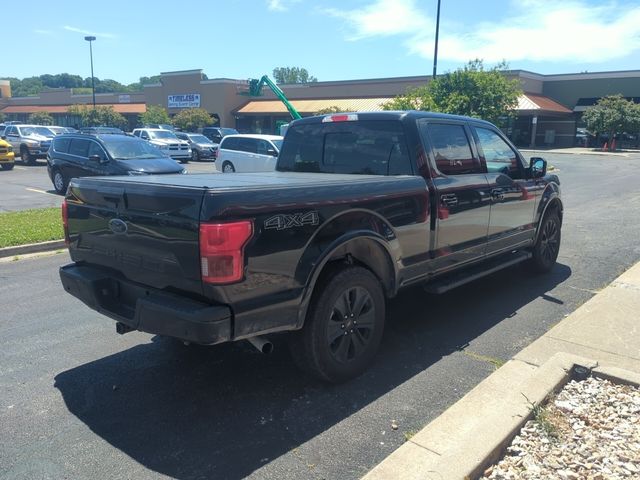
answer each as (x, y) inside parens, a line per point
(79, 401)
(29, 186)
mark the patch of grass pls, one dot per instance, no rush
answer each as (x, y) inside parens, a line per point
(496, 362)
(30, 226)
(409, 434)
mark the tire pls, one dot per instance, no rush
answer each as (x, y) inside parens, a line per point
(547, 246)
(227, 167)
(26, 157)
(59, 182)
(195, 155)
(344, 325)
(7, 166)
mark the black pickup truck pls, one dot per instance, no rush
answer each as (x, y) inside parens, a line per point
(360, 206)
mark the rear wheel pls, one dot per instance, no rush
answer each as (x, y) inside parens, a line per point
(59, 182)
(344, 326)
(547, 246)
(25, 156)
(227, 167)
(7, 166)
(195, 155)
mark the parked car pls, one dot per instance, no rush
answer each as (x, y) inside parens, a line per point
(83, 155)
(216, 134)
(166, 141)
(6, 155)
(102, 130)
(359, 207)
(161, 126)
(201, 146)
(249, 153)
(32, 141)
(60, 130)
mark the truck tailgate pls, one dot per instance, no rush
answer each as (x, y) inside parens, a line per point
(147, 232)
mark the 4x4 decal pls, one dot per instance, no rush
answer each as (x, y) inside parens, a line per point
(284, 221)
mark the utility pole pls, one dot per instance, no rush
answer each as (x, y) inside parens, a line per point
(435, 54)
(93, 85)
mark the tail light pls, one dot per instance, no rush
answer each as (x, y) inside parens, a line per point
(348, 117)
(65, 221)
(222, 251)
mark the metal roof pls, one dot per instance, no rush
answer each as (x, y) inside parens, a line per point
(266, 107)
(539, 104)
(118, 107)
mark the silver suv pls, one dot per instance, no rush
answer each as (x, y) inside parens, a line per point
(30, 141)
(166, 141)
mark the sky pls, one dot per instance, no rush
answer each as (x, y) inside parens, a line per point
(332, 39)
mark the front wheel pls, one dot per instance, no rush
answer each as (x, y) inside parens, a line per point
(195, 155)
(25, 156)
(344, 326)
(227, 167)
(547, 246)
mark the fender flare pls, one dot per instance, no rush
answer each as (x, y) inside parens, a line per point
(343, 244)
(550, 200)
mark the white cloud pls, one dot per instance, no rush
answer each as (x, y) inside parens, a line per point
(42, 32)
(572, 31)
(87, 32)
(383, 18)
(280, 5)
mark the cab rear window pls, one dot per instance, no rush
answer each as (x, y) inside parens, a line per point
(369, 147)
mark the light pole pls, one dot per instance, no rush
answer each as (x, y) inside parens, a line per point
(435, 54)
(93, 85)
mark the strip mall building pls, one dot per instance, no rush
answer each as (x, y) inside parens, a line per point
(549, 111)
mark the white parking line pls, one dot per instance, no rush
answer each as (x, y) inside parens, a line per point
(20, 168)
(41, 191)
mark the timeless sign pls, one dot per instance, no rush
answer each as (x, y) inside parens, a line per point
(187, 100)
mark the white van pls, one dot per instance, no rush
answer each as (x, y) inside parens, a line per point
(249, 153)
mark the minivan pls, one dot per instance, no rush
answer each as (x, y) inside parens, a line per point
(249, 153)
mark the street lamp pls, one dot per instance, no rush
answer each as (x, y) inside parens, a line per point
(93, 85)
(435, 54)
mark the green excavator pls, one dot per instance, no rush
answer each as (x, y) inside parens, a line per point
(255, 90)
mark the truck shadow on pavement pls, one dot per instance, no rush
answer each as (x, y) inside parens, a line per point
(224, 412)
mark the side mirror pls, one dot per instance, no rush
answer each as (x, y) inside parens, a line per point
(537, 167)
(272, 152)
(98, 159)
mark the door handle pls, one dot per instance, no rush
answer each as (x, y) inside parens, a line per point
(449, 199)
(497, 194)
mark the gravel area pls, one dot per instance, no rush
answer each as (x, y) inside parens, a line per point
(590, 430)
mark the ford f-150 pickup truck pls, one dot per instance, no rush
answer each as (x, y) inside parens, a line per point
(359, 207)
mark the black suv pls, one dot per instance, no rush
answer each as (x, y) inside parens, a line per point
(216, 134)
(82, 155)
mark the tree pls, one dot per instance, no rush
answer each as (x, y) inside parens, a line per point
(613, 115)
(41, 118)
(1, 117)
(190, 119)
(155, 114)
(470, 90)
(100, 116)
(292, 75)
(333, 109)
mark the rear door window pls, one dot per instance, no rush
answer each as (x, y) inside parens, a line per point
(79, 147)
(61, 144)
(369, 147)
(451, 149)
(249, 145)
(230, 143)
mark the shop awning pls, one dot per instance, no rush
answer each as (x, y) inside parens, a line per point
(539, 104)
(118, 107)
(275, 107)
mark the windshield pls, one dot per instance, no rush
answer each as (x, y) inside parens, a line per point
(199, 139)
(166, 134)
(44, 131)
(131, 149)
(228, 131)
(277, 143)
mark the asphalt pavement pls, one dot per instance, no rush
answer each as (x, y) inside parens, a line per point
(79, 401)
(29, 186)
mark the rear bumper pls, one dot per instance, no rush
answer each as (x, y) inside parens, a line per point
(147, 309)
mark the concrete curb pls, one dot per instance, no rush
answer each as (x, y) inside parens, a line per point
(31, 248)
(472, 434)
